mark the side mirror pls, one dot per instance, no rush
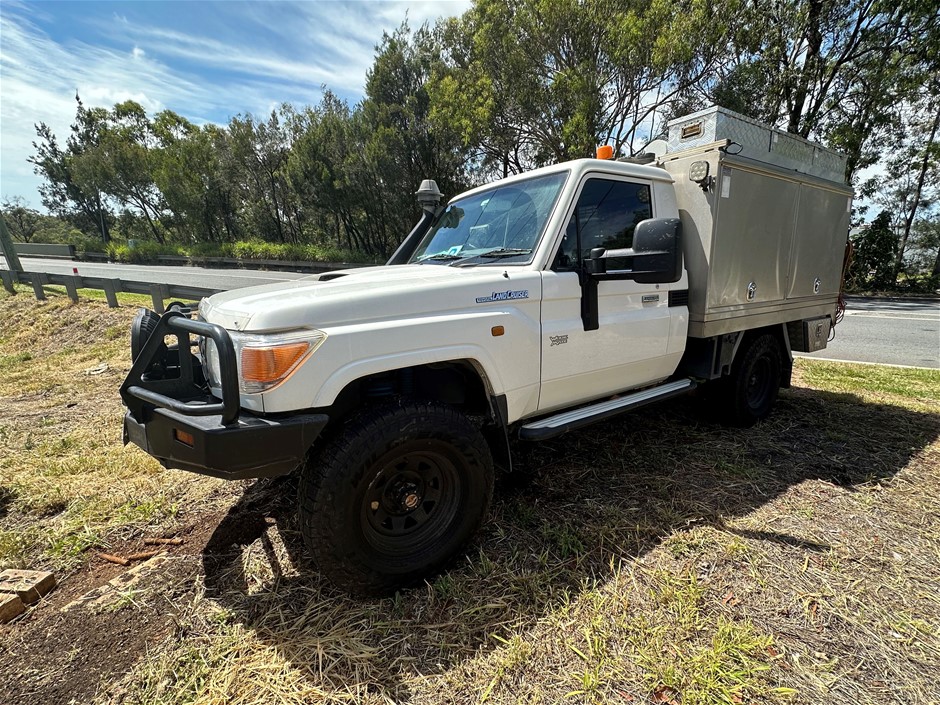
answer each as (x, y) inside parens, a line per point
(656, 254)
(596, 264)
(658, 258)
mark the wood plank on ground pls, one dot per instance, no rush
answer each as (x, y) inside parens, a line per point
(28, 585)
(10, 606)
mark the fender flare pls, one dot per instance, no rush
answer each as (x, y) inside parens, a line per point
(341, 378)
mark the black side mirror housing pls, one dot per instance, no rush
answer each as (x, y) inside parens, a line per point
(596, 264)
(656, 254)
(656, 243)
(657, 259)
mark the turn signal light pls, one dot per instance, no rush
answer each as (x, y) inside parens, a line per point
(269, 364)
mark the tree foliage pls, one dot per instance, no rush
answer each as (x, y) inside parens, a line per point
(875, 250)
(22, 221)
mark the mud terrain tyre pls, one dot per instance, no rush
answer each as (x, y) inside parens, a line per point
(748, 394)
(394, 495)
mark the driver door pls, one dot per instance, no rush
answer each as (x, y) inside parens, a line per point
(628, 349)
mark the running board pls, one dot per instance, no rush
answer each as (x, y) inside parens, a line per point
(586, 415)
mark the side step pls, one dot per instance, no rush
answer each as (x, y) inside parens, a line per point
(584, 416)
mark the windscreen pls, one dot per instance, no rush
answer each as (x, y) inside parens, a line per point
(503, 223)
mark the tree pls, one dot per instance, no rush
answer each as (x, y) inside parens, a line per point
(402, 144)
(840, 72)
(875, 250)
(911, 183)
(188, 172)
(925, 151)
(120, 161)
(258, 156)
(63, 193)
(529, 82)
(22, 221)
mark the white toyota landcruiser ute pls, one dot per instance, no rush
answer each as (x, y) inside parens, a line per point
(521, 309)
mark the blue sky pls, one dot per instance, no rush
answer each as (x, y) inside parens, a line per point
(204, 60)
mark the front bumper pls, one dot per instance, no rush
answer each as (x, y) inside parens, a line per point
(173, 418)
(252, 447)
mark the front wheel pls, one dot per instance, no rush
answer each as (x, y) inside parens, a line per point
(395, 495)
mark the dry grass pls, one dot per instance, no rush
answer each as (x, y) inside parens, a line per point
(66, 482)
(655, 558)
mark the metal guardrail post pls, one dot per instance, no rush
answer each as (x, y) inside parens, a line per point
(72, 285)
(6, 248)
(158, 294)
(111, 288)
(9, 279)
(38, 280)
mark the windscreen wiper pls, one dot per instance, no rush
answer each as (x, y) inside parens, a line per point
(494, 254)
(443, 256)
(505, 252)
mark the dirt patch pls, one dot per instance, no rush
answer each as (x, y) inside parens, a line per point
(58, 657)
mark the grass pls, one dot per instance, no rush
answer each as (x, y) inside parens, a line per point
(66, 482)
(655, 558)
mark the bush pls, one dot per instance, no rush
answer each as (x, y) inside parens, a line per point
(147, 251)
(259, 249)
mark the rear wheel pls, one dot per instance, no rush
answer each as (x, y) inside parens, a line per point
(395, 495)
(748, 394)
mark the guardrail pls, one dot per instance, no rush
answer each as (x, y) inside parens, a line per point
(111, 287)
(41, 249)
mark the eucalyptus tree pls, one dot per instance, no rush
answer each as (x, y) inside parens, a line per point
(64, 193)
(122, 162)
(22, 221)
(528, 82)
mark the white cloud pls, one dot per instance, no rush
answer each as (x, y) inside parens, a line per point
(241, 57)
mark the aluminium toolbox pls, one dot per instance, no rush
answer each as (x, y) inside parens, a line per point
(758, 141)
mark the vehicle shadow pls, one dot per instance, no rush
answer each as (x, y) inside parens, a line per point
(583, 504)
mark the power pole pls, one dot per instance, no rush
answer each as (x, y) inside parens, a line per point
(6, 248)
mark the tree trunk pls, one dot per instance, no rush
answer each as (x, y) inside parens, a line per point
(915, 202)
(813, 47)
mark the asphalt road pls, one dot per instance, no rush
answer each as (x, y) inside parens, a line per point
(887, 331)
(873, 330)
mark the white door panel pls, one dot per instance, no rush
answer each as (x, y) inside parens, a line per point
(627, 350)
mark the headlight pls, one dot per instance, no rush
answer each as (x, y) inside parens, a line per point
(264, 361)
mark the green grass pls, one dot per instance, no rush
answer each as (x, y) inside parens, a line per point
(66, 481)
(907, 383)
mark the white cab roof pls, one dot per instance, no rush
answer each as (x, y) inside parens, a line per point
(579, 166)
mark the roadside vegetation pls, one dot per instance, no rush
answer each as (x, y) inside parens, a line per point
(654, 558)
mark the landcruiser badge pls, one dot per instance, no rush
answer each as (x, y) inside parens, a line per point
(503, 296)
(557, 340)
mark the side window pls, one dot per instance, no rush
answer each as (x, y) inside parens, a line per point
(606, 215)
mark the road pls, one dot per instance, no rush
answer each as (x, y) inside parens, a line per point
(873, 330)
(887, 331)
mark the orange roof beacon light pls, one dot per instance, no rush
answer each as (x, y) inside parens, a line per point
(605, 151)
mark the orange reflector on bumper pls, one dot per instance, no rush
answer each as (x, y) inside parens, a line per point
(183, 437)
